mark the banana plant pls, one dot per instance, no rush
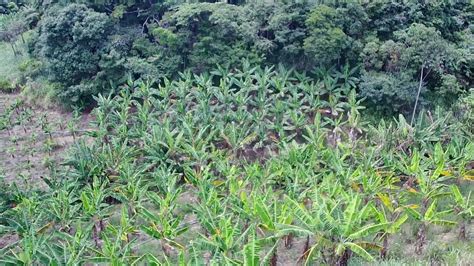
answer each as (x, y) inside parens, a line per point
(63, 207)
(131, 190)
(346, 77)
(196, 148)
(27, 221)
(390, 213)
(354, 116)
(74, 123)
(251, 250)
(5, 123)
(172, 140)
(84, 162)
(270, 217)
(236, 137)
(224, 237)
(280, 82)
(30, 250)
(69, 248)
(224, 233)
(464, 210)
(122, 114)
(117, 243)
(161, 222)
(369, 183)
(339, 229)
(427, 216)
(295, 122)
(94, 207)
(431, 188)
(315, 134)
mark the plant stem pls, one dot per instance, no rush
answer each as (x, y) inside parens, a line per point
(420, 239)
(420, 85)
(383, 251)
(13, 48)
(462, 231)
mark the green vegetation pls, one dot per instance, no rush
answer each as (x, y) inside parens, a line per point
(9, 69)
(406, 54)
(235, 133)
(260, 157)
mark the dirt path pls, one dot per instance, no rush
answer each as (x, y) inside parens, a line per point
(33, 142)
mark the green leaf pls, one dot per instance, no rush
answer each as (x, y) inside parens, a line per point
(413, 213)
(367, 230)
(152, 232)
(152, 260)
(264, 214)
(430, 211)
(457, 194)
(248, 139)
(396, 225)
(285, 229)
(181, 230)
(147, 214)
(251, 252)
(359, 251)
(310, 253)
(415, 162)
(85, 201)
(385, 200)
(174, 243)
(442, 222)
(350, 214)
(443, 213)
(301, 213)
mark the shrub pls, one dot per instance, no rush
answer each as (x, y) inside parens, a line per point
(206, 34)
(6, 86)
(71, 41)
(388, 92)
(40, 92)
(327, 40)
(30, 67)
(418, 58)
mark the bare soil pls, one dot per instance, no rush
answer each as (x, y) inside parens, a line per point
(26, 151)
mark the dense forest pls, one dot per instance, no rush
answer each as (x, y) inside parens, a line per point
(173, 132)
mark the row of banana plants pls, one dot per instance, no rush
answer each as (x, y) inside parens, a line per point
(244, 167)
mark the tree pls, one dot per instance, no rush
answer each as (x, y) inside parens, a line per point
(424, 51)
(418, 54)
(11, 28)
(71, 41)
(326, 40)
(206, 34)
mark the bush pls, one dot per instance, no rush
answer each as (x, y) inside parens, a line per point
(72, 41)
(206, 34)
(30, 67)
(40, 92)
(6, 86)
(388, 92)
(327, 39)
(465, 110)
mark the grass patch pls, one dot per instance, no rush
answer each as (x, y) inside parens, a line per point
(10, 66)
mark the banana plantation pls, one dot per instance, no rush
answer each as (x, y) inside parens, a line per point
(253, 166)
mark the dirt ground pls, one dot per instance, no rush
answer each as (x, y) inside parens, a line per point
(27, 151)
